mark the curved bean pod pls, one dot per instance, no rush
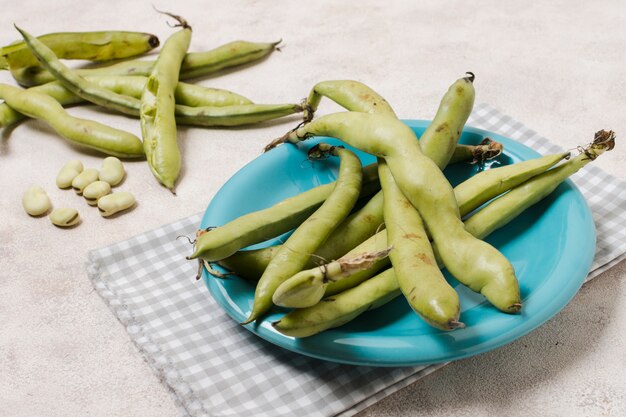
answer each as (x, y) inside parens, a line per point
(473, 262)
(92, 46)
(440, 138)
(297, 250)
(86, 133)
(195, 64)
(350, 94)
(158, 123)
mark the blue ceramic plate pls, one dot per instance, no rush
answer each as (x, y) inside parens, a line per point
(551, 245)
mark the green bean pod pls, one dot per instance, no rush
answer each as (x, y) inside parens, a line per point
(157, 117)
(473, 262)
(195, 64)
(500, 211)
(307, 287)
(474, 191)
(345, 306)
(440, 138)
(92, 46)
(418, 275)
(80, 131)
(356, 228)
(296, 251)
(350, 94)
(341, 308)
(75, 83)
(224, 241)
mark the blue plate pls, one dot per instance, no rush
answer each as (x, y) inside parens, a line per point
(551, 245)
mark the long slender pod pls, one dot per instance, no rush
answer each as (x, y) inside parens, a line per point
(80, 131)
(222, 242)
(92, 46)
(157, 117)
(195, 64)
(296, 251)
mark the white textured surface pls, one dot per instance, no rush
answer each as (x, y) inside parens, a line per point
(556, 66)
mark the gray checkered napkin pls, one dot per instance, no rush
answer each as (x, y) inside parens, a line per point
(214, 367)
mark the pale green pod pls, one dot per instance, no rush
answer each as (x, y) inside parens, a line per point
(95, 190)
(67, 174)
(116, 202)
(112, 171)
(64, 217)
(83, 179)
(35, 201)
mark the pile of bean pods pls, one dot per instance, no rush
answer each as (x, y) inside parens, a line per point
(412, 222)
(147, 89)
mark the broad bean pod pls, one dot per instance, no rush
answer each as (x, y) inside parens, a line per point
(156, 115)
(441, 136)
(92, 46)
(296, 251)
(195, 64)
(307, 287)
(83, 132)
(413, 260)
(223, 241)
(351, 95)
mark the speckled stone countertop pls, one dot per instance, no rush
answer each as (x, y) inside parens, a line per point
(556, 66)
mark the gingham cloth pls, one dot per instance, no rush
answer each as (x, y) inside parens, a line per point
(214, 367)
